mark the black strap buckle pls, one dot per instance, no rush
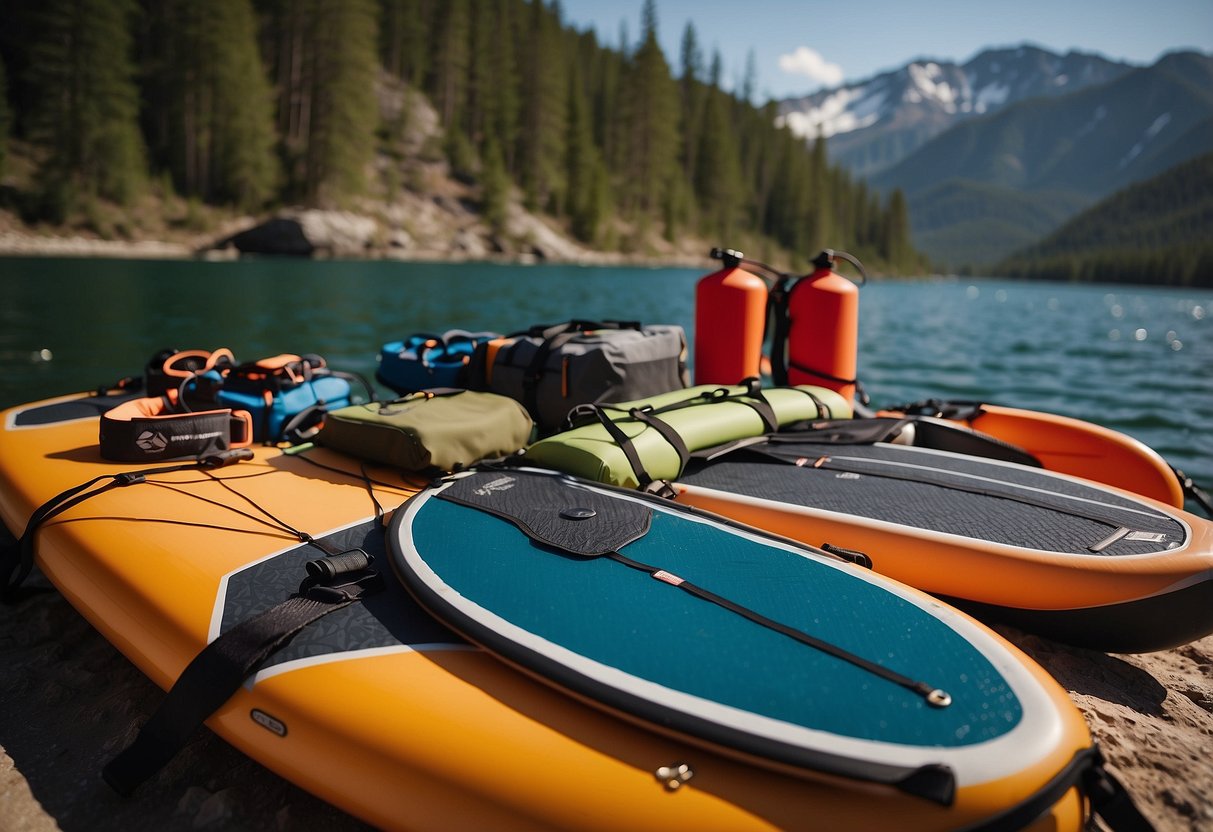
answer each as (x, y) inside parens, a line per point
(661, 488)
(367, 583)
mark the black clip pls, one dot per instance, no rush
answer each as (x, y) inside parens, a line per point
(662, 489)
(369, 582)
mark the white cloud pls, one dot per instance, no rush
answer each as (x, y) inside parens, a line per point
(809, 63)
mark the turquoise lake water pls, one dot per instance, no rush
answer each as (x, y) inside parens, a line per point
(1136, 359)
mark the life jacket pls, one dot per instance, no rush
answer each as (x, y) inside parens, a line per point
(287, 395)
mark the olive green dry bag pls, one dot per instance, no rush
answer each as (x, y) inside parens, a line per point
(446, 429)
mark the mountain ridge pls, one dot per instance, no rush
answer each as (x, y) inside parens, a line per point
(1028, 162)
(874, 123)
(1093, 141)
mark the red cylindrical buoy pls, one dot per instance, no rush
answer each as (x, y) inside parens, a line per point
(730, 322)
(823, 337)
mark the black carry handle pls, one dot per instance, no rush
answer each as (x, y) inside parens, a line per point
(576, 325)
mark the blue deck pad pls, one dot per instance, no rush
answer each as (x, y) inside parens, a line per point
(623, 618)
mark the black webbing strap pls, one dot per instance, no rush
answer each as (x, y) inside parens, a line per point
(796, 365)
(756, 401)
(17, 560)
(751, 397)
(625, 444)
(214, 675)
(1110, 802)
(1193, 491)
(667, 433)
(839, 432)
(777, 313)
(961, 411)
(823, 409)
(931, 694)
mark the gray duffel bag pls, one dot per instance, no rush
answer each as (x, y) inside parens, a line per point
(552, 369)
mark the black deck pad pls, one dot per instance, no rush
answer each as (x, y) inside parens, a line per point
(943, 492)
(553, 511)
(384, 619)
(69, 411)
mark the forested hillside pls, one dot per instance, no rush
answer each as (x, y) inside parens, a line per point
(1154, 232)
(245, 105)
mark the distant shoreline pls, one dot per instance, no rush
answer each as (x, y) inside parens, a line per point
(12, 246)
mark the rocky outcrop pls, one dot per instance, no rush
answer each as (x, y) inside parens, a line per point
(307, 234)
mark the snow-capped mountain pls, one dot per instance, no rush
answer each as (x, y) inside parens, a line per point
(871, 125)
(990, 184)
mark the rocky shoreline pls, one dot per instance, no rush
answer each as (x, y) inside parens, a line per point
(70, 701)
(415, 227)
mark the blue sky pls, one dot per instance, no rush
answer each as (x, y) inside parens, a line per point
(802, 46)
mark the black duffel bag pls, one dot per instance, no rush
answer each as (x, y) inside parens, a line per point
(552, 369)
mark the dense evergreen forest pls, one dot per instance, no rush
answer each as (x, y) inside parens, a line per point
(1154, 232)
(251, 104)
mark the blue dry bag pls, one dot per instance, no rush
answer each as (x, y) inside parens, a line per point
(423, 361)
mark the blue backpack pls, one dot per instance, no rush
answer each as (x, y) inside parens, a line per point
(287, 395)
(423, 361)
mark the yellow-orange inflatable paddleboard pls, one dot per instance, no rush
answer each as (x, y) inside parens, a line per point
(383, 711)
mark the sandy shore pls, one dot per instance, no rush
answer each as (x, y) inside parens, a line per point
(69, 701)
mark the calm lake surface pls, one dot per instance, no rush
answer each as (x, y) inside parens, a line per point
(1139, 360)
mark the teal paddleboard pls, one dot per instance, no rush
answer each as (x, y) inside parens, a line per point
(750, 644)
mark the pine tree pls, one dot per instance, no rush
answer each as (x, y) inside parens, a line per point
(452, 63)
(287, 49)
(791, 210)
(763, 170)
(541, 139)
(898, 249)
(87, 115)
(4, 120)
(404, 36)
(718, 181)
(345, 114)
(246, 168)
(213, 119)
(501, 97)
(482, 32)
(822, 225)
(749, 82)
(325, 68)
(606, 83)
(650, 113)
(583, 201)
(495, 183)
(690, 88)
